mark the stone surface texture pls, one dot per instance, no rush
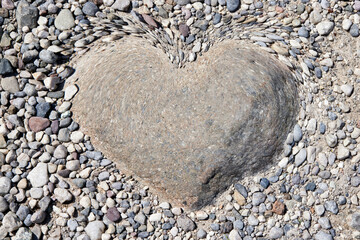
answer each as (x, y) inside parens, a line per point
(188, 132)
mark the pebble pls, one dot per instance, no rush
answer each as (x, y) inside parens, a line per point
(323, 236)
(343, 153)
(10, 84)
(234, 235)
(201, 234)
(62, 195)
(355, 181)
(26, 15)
(275, 233)
(155, 217)
(185, 223)
(38, 217)
(331, 206)
(354, 30)
(4, 205)
(232, 5)
(241, 189)
(7, 4)
(38, 176)
(60, 152)
(90, 9)
(5, 185)
(355, 221)
(331, 140)
(64, 20)
(324, 222)
(113, 214)
(95, 229)
(347, 89)
(11, 222)
(346, 24)
(325, 27)
(300, 157)
(264, 182)
(121, 5)
(5, 67)
(70, 92)
(48, 56)
(279, 207)
(37, 124)
(297, 133)
(23, 234)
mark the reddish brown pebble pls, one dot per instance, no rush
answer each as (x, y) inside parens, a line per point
(279, 208)
(55, 126)
(38, 124)
(149, 20)
(113, 214)
(184, 30)
(279, 9)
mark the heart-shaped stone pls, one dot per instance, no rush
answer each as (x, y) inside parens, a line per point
(189, 132)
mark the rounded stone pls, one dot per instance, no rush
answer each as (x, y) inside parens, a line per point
(65, 20)
(187, 131)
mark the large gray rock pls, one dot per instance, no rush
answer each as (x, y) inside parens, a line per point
(26, 15)
(188, 132)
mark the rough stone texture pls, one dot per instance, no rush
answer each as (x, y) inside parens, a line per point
(26, 15)
(188, 132)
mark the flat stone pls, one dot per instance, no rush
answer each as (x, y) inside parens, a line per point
(64, 20)
(37, 124)
(10, 84)
(38, 176)
(186, 119)
(70, 92)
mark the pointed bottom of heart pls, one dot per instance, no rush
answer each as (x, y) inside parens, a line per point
(190, 132)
